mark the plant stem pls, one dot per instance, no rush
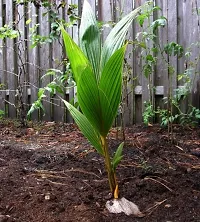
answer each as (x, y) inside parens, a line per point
(111, 174)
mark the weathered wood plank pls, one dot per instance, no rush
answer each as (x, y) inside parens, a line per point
(137, 69)
(21, 62)
(138, 113)
(10, 62)
(70, 91)
(181, 30)
(33, 59)
(137, 54)
(75, 29)
(2, 63)
(105, 14)
(57, 57)
(44, 60)
(173, 37)
(67, 116)
(182, 24)
(123, 8)
(147, 81)
(161, 69)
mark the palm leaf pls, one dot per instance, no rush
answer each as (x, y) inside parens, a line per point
(85, 126)
(78, 60)
(90, 40)
(117, 36)
(110, 86)
(88, 98)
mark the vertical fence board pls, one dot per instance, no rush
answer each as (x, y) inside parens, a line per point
(21, 61)
(145, 80)
(128, 94)
(198, 53)
(172, 37)
(161, 67)
(11, 75)
(137, 71)
(75, 27)
(182, 20)
(33, 60)
(105, 14)
(44, 56)
(138, 106)
(68, 117)
(70, 92)
(164, 37)
(75, 34)
(57, 56)
(182, 40)
(2, 93)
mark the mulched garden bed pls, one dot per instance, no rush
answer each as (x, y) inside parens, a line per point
(50, 173)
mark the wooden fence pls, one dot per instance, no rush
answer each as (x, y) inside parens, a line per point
(21, 67)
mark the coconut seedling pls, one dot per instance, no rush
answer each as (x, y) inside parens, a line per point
(97, 70)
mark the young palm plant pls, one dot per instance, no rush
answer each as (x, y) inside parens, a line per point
(97, 70)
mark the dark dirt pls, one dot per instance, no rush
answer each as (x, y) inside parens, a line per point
(50, 173)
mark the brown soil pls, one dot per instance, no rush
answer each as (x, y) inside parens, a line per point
(50, 173)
